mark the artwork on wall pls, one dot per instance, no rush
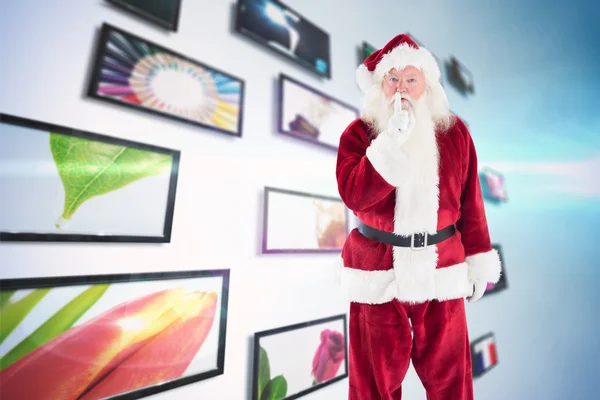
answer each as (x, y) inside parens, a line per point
(298, 222)
(295, 360)
(502, 284)
(63, 184)
(459, 76)
(366, 51)
(276, 26)
(164, 13)
(484, 354)
(311, 115)
(493, 186)
(439, 62)
(122, 336)
(133, 72)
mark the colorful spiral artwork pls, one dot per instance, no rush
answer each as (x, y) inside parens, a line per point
(139, 73)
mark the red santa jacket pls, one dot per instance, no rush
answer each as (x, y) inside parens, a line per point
(425, 184)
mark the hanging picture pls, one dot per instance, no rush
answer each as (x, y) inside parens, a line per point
(63, 184)
(502, 284)
(459, 77)
(293, 361)
(311, 115)
(484, 354)
(298, 222)
(111, 336)
(493, 186)
(276, 26)
(366, 51)
(439, 62)
(141, 75)
(164, 13)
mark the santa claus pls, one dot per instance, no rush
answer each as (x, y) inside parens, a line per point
(407, 168)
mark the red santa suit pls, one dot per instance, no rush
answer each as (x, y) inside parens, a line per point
(394, 289)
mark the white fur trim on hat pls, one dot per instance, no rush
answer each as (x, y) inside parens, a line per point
(401, 56)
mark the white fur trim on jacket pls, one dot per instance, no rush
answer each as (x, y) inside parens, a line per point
(484, 266)
(400, 57)
(377, 287)
(388, 158)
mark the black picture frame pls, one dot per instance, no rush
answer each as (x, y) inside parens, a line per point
(268, 249)
(366, 49)
(502, 283)
(311, 132)
(7, 286)
(115, 67)
(479, 370)
(322, 39)
(258, 336)
(459, 76)
(133, 9)
(31, 236)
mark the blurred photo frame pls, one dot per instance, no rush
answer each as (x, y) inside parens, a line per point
(119, 336)
(502, 283)
(276, 26)
(292, 361)
(484, 354)
(310, 115)
(62, 184)
(135, 73)
(300, 222)
(366, 49)
(163, 13)
(493, 185)
(459, 76)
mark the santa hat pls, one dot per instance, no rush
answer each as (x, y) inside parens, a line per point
(400, 52)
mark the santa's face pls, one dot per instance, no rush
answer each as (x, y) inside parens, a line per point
(409, 82)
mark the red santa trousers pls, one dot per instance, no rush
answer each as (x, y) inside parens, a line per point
(381, 349)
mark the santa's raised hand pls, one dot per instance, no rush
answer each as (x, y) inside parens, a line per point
(401, 123)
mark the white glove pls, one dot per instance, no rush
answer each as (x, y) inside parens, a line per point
(400, 124)
(479, 290)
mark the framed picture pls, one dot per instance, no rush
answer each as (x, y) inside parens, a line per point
(133, 72)
(111, 336)
(63, 184)
(439, 62)
(502, 284)
(484, 354)
(276, 26)
(493, 186)
(311, 115)
(295, 360)
(366, 51)
(164, 13)
(298, 222)
(459, 76)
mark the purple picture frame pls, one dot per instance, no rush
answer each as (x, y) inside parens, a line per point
(306, 136)
(265, 246)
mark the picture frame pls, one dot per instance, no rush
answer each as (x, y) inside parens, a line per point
(484, 354)
(320, 223)
(502, 283)
(86, 186)
(162, 13)
(152, 332)
(493, 185)
(311, 115)
(437, 59)
(319, 358)
(135, 73)
(277, 27)
(366, 49)
(459, 76)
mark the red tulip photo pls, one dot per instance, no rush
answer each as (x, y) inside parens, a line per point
(329, 356)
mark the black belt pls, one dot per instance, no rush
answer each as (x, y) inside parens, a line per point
(415, 241)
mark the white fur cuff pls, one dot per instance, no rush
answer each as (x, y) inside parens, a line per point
(388, 158)
(484, 266)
